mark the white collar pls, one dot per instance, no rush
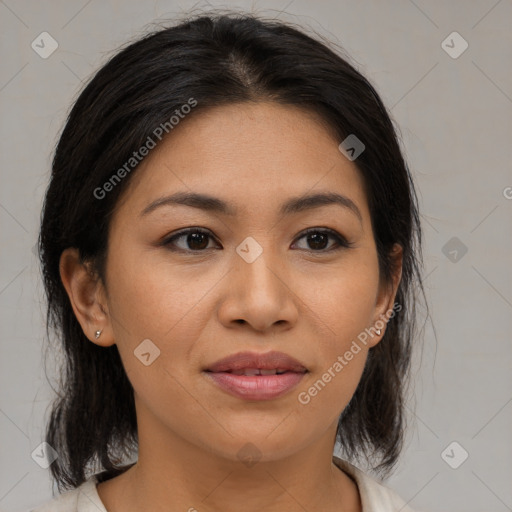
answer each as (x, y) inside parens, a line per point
(375, 497)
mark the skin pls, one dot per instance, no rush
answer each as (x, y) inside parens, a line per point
(197, 307)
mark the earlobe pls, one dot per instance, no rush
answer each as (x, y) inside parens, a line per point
(84, 290)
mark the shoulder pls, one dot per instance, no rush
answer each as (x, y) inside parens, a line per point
(82, 499)
(374, 495)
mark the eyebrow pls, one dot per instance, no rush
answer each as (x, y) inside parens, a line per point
(214, 204)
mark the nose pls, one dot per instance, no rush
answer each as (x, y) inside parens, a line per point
(259, 294)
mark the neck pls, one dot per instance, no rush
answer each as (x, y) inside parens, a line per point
(172, 472)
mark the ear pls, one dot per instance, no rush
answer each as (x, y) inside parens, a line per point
(87, 296)
(386, 296)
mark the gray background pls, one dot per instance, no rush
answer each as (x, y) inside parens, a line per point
(455, 119)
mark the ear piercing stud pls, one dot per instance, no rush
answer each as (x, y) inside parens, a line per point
(97, 334)
(378, 331)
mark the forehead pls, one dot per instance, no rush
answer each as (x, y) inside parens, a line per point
(251, 155)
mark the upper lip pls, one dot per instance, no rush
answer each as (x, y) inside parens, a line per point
(265, 361)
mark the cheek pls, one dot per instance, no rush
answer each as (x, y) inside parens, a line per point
(152, 296)
(323, 398)
(164, 304)
(341, 300)
(153, 299)
(341, 305)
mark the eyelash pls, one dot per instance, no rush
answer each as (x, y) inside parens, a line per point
(341, 242)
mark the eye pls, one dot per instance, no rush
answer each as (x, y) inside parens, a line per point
(196, 239)
(318, 238)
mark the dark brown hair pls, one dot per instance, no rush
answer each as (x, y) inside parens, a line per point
(217, 60)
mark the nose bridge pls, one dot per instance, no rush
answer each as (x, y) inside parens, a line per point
(258, 267)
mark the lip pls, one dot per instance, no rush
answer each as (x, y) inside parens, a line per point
(265, 361)
(256, 387)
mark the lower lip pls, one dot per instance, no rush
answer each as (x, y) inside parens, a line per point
(256, 387)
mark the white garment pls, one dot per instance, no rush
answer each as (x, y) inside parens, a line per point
(375, 497)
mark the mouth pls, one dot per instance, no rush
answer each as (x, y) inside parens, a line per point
(277, 362)
(253, 376)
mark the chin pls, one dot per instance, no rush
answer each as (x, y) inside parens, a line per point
(252, 445)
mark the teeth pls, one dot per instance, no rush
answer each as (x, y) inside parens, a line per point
(258, 371)
(251, 371)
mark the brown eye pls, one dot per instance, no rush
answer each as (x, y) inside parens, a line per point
(318, 239)
(195, 240)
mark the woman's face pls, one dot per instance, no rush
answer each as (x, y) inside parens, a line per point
(255, 282)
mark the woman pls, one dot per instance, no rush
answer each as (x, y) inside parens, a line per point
(229, 368)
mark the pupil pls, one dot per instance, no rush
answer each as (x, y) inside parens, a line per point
(315, 238)
(195, 238)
